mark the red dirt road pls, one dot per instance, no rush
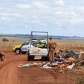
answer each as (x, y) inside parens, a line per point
(8, 69)
(11, 74)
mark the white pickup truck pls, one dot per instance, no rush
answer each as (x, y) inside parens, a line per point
(39, 51)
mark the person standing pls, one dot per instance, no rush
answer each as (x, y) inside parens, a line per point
(52, 47)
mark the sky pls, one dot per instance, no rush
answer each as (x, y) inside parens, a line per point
(58, 17)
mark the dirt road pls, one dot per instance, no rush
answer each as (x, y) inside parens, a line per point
(11, 74)
(8, 69)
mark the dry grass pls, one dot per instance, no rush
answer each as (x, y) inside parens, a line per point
(76, 45)
(8, 45)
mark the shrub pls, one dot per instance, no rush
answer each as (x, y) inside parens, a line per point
(5, 40)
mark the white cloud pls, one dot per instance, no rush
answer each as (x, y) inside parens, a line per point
(39, 5)
(48, 10)
(67, 16)
(59, 2)
(10, 14)
(23, 6)
(4, 18)
(45, 11)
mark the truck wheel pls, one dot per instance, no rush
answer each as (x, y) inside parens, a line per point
(17, 51)
(45, 58)
(30, 58)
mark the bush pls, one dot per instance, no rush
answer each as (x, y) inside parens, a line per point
(5, 40)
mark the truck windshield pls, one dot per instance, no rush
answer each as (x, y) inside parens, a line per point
(40, 44)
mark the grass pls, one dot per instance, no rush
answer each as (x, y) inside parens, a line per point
(61, 44)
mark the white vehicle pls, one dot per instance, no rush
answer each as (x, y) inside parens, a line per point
(40, 49)
(26, 47)
(22, 48)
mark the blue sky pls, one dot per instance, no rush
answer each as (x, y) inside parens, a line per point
(58, 17)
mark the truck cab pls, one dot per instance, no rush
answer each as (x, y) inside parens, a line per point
(21, 48)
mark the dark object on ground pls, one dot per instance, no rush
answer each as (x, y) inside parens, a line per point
(59, 59)
(80, 63)
(5, 40)
(2, 57)
(71, 53)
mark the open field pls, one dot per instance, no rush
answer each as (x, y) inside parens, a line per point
(11, 74)
(63, 44)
